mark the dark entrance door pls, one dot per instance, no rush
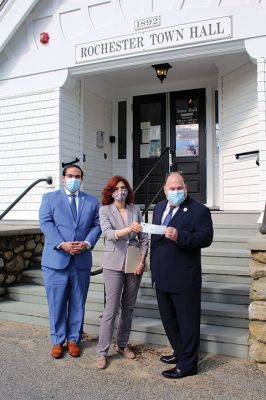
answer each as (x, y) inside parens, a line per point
(188, 138)
(149, 141)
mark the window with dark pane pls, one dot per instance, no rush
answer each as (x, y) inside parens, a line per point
(122, 129)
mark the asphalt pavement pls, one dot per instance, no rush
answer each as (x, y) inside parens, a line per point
(27, 372)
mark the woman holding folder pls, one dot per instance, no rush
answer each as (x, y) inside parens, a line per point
(125, 250)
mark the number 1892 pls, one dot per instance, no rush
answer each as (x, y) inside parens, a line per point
(146, 23)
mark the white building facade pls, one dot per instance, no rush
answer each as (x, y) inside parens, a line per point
(77, 81)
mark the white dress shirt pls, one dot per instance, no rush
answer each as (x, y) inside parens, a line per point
(166, 211)
(76, 198)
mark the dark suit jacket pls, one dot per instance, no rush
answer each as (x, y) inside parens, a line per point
(176, 267)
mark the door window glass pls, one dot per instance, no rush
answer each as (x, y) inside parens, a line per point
(187, 127)
(150, 128)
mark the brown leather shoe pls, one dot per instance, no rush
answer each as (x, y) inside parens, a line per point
(73, 349)
(126, 352)
(101, 362)
(57, 351)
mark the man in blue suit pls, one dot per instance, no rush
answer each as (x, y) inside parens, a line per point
(70, 222)
(176, 271)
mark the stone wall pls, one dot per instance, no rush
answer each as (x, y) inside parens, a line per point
(257, 308)
(16, 253)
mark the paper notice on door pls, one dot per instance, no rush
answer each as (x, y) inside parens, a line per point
(146, 135)
(145, 125)
(145, 150)
(156, 132)
(153, 229)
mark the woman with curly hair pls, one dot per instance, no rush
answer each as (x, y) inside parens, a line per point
(120, 223)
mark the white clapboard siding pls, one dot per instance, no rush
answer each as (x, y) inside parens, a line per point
(98, 167)
(70, 129)
(239, 133)
(29, 126)
(121, 168)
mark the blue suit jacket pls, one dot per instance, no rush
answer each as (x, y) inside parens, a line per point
(176, 267)
(58, 225)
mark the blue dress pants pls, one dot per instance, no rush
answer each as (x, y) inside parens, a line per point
(66, 292)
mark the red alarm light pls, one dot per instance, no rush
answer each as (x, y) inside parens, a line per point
(44, 37)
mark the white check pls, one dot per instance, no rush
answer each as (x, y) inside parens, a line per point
(153, 229)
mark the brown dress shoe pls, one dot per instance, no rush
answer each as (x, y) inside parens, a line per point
(57, 351)
(126, 352)
(73, 349)
(101, 362)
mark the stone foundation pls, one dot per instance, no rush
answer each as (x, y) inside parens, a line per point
(16, 252)
(257, 308)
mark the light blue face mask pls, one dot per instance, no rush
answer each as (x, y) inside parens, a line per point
(176, 197)
(72, 184)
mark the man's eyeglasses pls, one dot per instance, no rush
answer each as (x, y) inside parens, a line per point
(73, 176)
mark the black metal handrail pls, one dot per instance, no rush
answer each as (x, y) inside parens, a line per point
(48, 180)
(246, 153)
(65, 164)
(96, 272)
(144, 212)
(167, 150)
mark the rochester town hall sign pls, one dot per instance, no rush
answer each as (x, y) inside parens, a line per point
(148, 41)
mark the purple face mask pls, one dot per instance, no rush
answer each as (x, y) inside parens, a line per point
(120, 195)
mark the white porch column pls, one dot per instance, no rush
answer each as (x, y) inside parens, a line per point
(261, 79)
(256, 49)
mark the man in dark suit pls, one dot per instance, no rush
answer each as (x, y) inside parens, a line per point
(69, 220)
(176, 271)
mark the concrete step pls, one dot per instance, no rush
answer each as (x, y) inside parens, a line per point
(34, 275)
(226, 274)
(235, 217)
(241, 270)
(221, 314)
(236, 229)
(215, 268)
(225, 292)
(212, 290)
(230, 241)
(222, 260)
(225, 295)
(220, 284)
(210, 273)
(225, 252)
(146, 306)
(226, 243)
(221, 340)
(220, 292)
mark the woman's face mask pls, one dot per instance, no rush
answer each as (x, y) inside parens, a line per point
(120, 194)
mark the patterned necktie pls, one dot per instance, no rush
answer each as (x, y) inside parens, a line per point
(168, 216)
(73, 206)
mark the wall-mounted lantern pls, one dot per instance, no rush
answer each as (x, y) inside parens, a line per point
(161, 70)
